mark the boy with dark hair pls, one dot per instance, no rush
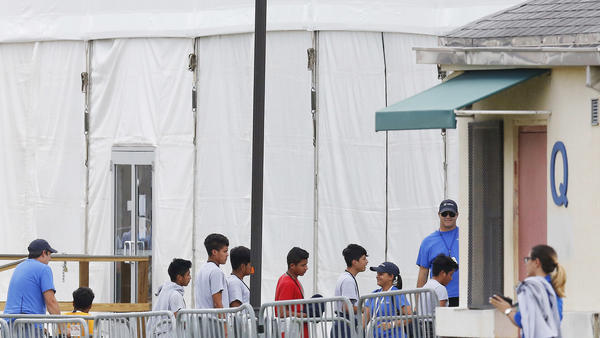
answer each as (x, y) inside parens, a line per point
(355, 257)
(211, 285)
(82, 304)
(170, 294)
(288, 285)
(443, 268)
(239, 292)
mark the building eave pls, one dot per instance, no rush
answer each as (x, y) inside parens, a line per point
(543, 57)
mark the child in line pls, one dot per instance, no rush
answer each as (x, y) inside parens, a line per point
(170, 294)
(443, 268)
(239, 292)
(288, 285)
(211, 285)
(82, 304)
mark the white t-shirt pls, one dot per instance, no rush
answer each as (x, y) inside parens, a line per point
(440, 291)
(346, 286)
(237, 290)
(210, 279)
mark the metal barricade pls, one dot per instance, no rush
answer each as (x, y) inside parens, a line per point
(399, 314)
(314, 317)
(238, 322)
(50, 327)
(4, 329)
(135, 325)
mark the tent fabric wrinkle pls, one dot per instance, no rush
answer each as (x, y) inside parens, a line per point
(434, 107)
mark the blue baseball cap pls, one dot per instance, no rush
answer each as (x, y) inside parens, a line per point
(39, 245)
(388, 267)
(448, 205)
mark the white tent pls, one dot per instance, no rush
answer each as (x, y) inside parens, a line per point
(321, 193)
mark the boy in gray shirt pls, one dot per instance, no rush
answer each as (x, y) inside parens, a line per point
(170, 294)
(211, 286)
(346, 285)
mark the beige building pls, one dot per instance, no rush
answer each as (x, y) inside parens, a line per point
(521, 87)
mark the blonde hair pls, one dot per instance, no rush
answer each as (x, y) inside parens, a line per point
(549, 261)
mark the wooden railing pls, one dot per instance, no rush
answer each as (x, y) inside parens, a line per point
(143, 304)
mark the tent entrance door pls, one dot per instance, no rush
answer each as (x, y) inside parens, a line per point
(132, 228)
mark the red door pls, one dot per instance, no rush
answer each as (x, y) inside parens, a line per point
(532, 171)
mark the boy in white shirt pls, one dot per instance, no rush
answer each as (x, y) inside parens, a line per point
(239, 292)
(211, 286)
(443, 268)
(170, 294)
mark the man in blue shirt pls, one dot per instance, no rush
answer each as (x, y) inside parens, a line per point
(31, 289)
(442, 241)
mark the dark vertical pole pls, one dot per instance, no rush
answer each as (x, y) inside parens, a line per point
(258, 141)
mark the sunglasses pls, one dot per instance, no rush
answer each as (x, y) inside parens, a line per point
(448, 213)
(527, 259)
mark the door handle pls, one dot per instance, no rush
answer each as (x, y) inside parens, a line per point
(128, 250)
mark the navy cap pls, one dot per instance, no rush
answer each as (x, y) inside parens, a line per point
(388, 267)
(39, 245)
(448, 205)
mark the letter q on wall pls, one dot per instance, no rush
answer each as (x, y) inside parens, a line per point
(560, 196)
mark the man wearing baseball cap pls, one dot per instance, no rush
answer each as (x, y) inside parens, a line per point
(442, 241)
(31, 289)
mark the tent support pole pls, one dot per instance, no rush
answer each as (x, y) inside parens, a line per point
(313, 63)
(195, 164)
(385, 79)
(445, 164)
(85, 87)
(258, 143)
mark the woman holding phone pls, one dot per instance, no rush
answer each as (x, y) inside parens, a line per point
(540, 295)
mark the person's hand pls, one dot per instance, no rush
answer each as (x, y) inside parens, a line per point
(386, 325)
(499, 303)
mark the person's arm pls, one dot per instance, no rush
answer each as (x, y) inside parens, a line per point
(218, 300)
(423, 274)
(51, 302)
(502, 306)
(235, 303)
(443, 302)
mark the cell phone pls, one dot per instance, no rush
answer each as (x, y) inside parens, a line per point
(506, 299)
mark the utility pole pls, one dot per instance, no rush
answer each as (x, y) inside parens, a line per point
(258, 144)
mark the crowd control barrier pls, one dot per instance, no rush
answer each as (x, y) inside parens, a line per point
(217, 323)
(4, 329)
(399, 314)
(135, 325)
(314, 318)
(50, 327)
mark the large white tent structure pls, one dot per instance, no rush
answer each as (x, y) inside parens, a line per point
(329, 178)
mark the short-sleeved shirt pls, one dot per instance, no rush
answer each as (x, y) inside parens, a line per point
(346, 286)
(289, 288)
(237, 290)
(440, 292)
(440, 242)
(26, 289)
(386, 306)
(210, 280)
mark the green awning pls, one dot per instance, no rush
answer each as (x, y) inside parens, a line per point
(434, 107)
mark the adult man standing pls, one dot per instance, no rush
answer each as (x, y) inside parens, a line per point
(442, 241)
(31, 288)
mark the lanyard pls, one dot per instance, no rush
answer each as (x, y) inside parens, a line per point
(296, 282)
(446, 244)
(355, 284)
(247, 287)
